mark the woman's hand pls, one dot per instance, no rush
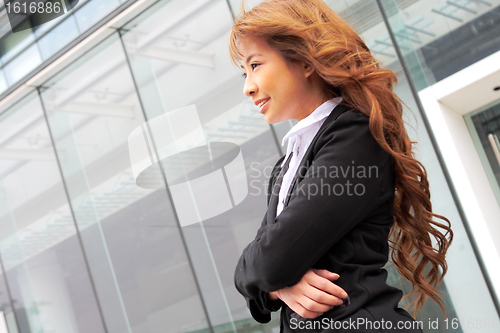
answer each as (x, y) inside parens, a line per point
(314, 294)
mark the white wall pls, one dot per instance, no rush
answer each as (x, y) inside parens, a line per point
(445, 105)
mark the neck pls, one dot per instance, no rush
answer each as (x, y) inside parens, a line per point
(315, 103)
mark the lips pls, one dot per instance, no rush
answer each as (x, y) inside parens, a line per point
(263, 102)
(260, 102)
(262, 105)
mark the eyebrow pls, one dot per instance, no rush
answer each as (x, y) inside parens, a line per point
(250, 58)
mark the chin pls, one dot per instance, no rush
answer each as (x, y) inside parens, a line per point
(271, 120)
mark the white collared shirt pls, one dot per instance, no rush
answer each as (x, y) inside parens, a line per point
(299, 138)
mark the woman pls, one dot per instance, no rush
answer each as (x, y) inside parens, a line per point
(347, 187)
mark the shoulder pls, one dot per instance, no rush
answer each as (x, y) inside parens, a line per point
(351, 126)
(347, 119)
(348, 138)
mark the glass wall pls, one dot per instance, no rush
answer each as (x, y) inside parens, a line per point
(142, 274)
(46, 271)
(439, 38)
(24, 50)
(435, 41)
(484, 127)
(106, 220)
(178, 56)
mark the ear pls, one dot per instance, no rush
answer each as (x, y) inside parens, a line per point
(308, 69)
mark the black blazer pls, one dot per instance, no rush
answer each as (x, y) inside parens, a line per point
(337, 216)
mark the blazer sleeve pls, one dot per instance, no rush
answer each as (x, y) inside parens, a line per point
(259, 304)
(340, 188)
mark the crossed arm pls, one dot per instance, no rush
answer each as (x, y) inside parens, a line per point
(283, 253)
(313, 295)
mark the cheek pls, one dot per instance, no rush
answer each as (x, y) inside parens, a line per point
(292, 82)
(285, 85)
(292, 90)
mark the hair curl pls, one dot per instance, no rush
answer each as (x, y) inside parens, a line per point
(309, 31)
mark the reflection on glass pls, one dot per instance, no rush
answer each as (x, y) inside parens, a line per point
(7, 316)
(3, 82)
(141, 272)
(41, 254)
(484, 127)
(12, 43)
(22, 64)
(93, 11)
(461, 302)
(179, 57)
(447, 36)
(58, 37)
(20, 53)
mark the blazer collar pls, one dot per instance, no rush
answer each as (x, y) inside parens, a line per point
(308, 156)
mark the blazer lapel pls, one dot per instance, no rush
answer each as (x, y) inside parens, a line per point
(306, 161)
(303, 166)
(272, 178)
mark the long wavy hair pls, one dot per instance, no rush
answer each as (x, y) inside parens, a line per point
(309, 31)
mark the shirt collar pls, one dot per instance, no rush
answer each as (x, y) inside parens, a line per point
(320, 113)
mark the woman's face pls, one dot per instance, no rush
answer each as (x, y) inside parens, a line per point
(282, 90)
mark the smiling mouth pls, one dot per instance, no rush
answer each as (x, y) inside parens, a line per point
(263, 102)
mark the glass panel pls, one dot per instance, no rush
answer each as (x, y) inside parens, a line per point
(447, 36)
(58, 32)
(68, 14)
(3, 82)
(42, 257)
(7, 316)
(10, 322)
(179, 57)
(236, 5)
(22, 64)
(93, 11)
(484, 126)
(136, 255)
(58, 37)
(12, 43)
(463, 270)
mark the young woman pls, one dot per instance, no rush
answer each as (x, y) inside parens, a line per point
(348, 187)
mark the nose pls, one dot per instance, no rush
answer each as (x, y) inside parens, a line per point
(250, 88)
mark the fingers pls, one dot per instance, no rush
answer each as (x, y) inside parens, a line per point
(320, 296)
(313, 306)
(301, 304)
(304, 312)
(326, 274)
(322, 282)
(308, 314)
(312, 298)
(314, 294)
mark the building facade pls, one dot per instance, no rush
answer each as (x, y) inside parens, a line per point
(99, 107)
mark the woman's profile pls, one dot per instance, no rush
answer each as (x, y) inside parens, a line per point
(348, 193)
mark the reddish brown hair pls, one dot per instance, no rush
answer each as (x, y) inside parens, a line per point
(309, 31)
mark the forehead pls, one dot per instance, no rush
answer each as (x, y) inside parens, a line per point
(252, 46)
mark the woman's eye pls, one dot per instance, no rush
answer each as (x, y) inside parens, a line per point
(253, 67)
